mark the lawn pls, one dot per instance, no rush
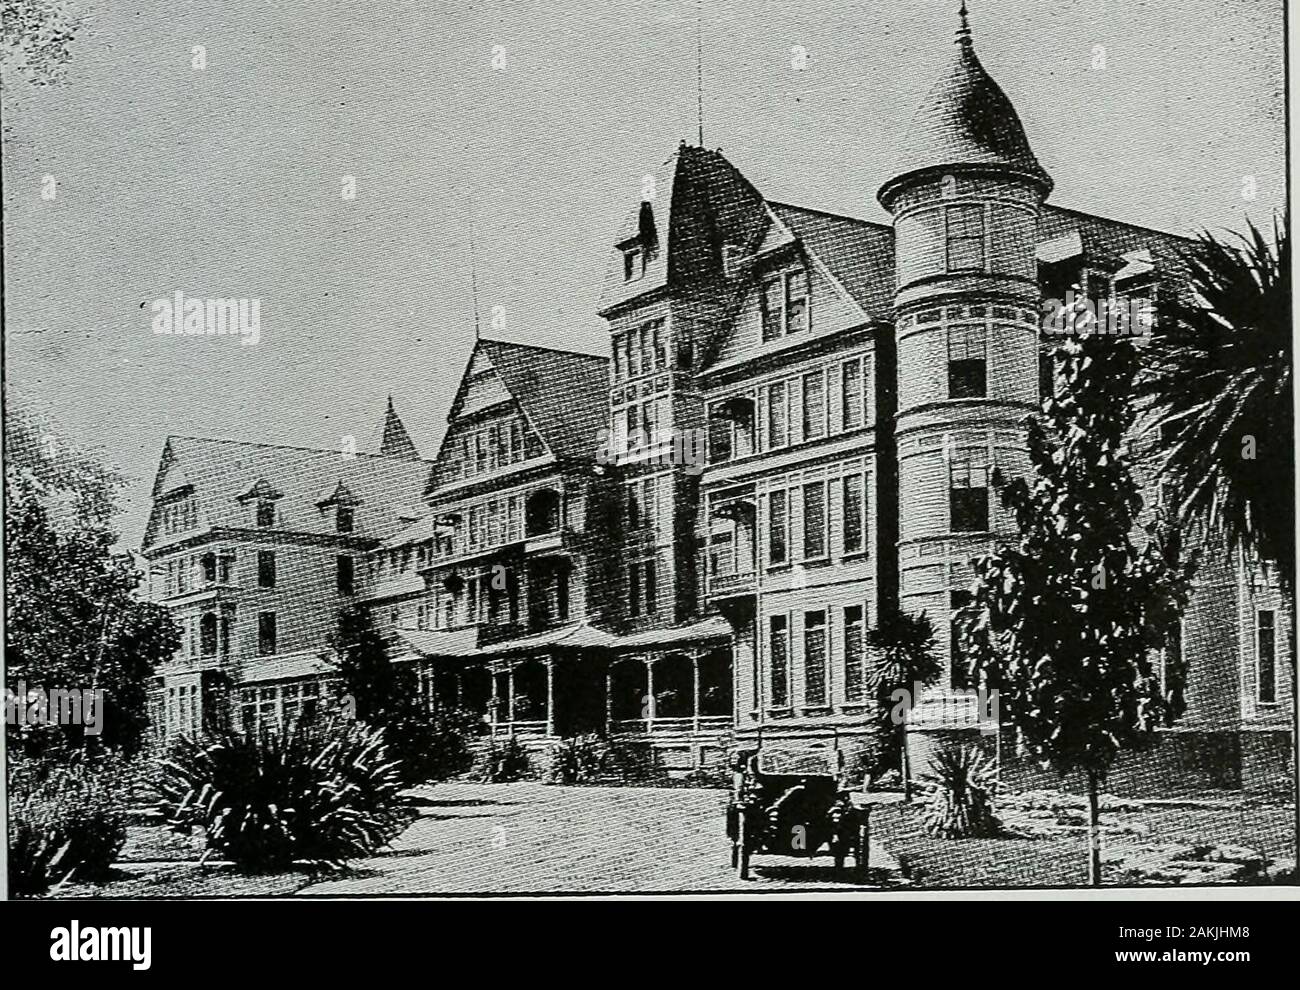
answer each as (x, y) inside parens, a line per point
(1048, 846)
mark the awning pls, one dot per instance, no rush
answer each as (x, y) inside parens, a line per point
(1061, 248)
(706, 629)
(292, 667)
(451, 643)
(581, 636)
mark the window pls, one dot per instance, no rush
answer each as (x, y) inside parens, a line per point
(266, 568)
(777, 422)
(1046, 374)
(779, 652)
(1172, 657)
(266, 633)
(208, 634)
(720, 429)
(776, 528)
(968, 494)
(814, 405)
(796, 301)
(722, 552)
(958, 600)
(209, 564)
(855, 513)
(265, 514)
(772, 317)
(650, 586)
(1265, 655)
(785, 304)
(344, 519)
(965, 238)
(967, 375)
(634, 589)
(814, 658)
(635, 517)
(814, 520)
(855, 672)
(346, 574)
(633, 264)
(851, 392)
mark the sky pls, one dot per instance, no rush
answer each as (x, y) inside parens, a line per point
(516, 133)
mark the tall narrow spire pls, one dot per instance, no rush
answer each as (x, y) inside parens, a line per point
(699, 68)
(963, 32)
(396, 441)
(473, 277)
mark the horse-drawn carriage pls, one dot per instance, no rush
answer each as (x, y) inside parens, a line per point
(792, 802)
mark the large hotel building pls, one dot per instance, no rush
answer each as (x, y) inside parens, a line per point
(684, 542)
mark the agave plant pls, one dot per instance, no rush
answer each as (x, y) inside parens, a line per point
(962, 788)
(312, 795)
(1218, 380)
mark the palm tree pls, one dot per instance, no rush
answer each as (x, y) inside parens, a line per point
(1218, 380)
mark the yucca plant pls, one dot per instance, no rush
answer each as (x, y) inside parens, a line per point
(65, 823)
(962, 789)
(300, 795)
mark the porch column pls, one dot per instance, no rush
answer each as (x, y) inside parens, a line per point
(650, 691)
(494, 700)
(456, 678)
(510, 696)
(550, 696)
(609, 696)
(695, 692)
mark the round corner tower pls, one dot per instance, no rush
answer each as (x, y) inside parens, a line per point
(965, 200)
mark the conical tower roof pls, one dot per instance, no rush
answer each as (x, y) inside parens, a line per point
(396, 441)
(966, 120)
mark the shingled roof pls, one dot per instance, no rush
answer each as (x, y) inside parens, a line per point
(564, 394)
(859, 253)
(965, 119)
(222, 474)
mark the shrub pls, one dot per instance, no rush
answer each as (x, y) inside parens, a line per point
(320, 795)
(962, 788)
(432, 746)
(636, 763)
(578, 760)
(506, 763)
(65, 823)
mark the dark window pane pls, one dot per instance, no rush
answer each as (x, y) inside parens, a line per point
(779, 647)
(266, 633)
(1267, 659)
(814, 520)
(266, 568)
(814, 647)
(854, 655)
(960, 676)
(853, 505)
(814, 406)
(777, 528)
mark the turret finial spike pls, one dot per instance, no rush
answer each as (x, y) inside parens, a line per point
(963, 32)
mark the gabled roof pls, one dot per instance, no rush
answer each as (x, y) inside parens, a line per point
(563, 394)
(859, 253)
(227, 474)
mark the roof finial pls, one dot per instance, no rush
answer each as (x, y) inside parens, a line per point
(699, 68)
(963, 32)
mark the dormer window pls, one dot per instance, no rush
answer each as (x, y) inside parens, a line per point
(634, 262)
(344, 519)
(785, 304)
(265, 514)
